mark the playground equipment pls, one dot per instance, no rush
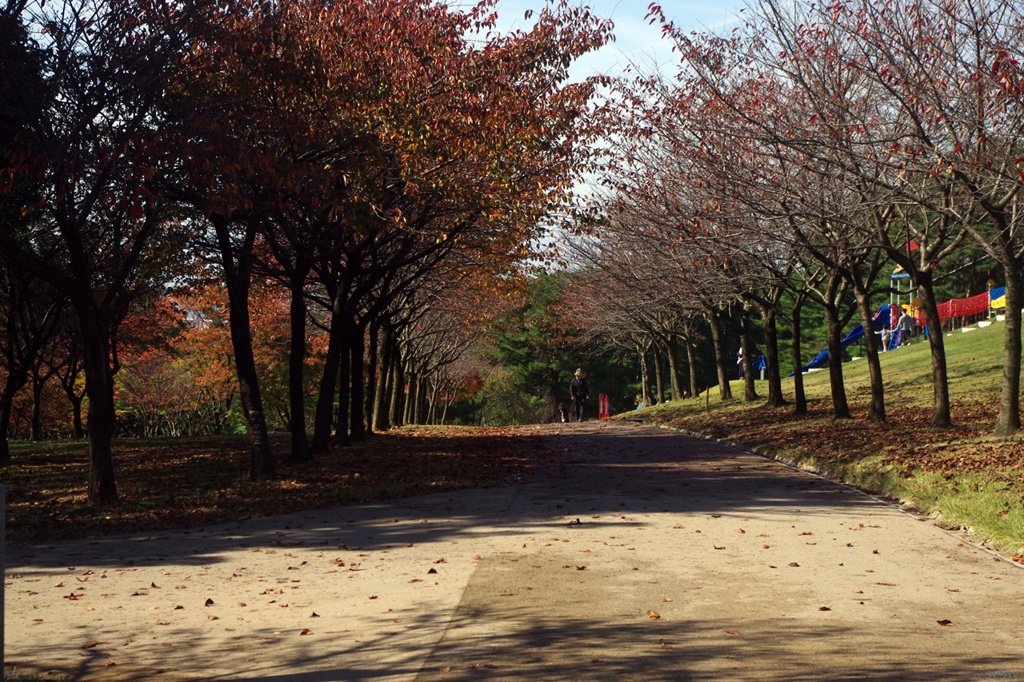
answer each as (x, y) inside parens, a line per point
(952, 311)
(883, 318)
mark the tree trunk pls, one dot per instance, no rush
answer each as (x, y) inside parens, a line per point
(342, 419)
(408, 414)
(672, 354)
(434, 395)
(941, 412)
(261, 460)
(102, 419)
(771, 353)
(691, 362)
(324, 418)
(237, 271)
(372, 380)
(397, 390)
(799, 396)
(659, 387)
(749, 387)
(38, 384)
(715, 321)
(358, 371)
(416, 401)
(15, 381)
(68, 378)
(1008, 421)
(381, 421)
(876, 408)
(645, 375)
(296, 369)
(840, 406)
(449, 395)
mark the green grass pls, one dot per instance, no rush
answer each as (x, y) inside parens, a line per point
(964, 477)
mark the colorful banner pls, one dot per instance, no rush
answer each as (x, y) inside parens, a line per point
(998, 296)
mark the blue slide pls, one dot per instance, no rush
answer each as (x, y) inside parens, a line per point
(879, 320)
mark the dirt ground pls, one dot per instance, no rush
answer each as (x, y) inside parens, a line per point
(643, 554)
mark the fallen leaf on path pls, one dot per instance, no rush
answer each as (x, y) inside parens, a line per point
(944, 622)
(90, 645)
(305, 631)
(209, 602)
(824, 608)
(653, 615)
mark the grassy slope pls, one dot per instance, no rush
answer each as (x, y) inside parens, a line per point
(962, 476)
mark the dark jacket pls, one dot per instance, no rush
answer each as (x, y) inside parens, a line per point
(578, 389)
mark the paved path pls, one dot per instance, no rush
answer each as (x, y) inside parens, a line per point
(645, 555)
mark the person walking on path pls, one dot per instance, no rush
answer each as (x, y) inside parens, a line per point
(579, 392)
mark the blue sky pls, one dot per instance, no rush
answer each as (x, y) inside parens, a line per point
(636, 41)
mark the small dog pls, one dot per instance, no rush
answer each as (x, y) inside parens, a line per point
(563, 412)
